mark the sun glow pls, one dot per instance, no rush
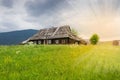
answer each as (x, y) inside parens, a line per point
(97, 16)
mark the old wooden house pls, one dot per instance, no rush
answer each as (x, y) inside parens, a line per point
(56, 35)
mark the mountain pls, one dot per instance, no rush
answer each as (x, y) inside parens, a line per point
(15, 37)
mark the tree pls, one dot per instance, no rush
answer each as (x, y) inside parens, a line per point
(94, 39)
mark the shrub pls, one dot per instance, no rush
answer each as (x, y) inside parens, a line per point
(94, 39)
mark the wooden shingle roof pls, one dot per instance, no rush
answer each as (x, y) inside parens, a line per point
(55, 32)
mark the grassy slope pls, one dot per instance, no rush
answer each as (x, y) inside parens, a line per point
(100, 62)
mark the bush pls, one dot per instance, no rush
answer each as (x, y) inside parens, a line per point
(94, 39)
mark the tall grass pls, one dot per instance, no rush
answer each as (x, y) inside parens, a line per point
(60, 62)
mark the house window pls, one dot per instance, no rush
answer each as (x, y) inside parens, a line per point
(35, 42)
(44, 42)
(57, 41)
(76, 42)
(49, 42)
(63, 41)
(39, 42)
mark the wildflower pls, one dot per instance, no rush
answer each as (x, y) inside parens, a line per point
(17, 52)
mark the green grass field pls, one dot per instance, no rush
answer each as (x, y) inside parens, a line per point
(60, 62)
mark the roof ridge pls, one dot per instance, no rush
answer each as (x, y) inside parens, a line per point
(55, 31)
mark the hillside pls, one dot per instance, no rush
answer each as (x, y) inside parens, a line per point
(53, 62)
(15, 37)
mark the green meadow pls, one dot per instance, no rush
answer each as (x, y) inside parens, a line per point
(60, 62)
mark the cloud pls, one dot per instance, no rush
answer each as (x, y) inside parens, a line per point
(116, 4)
(9, 24)
(40, 7)
(7, 3)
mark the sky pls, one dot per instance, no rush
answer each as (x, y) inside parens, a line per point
(85, 16)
